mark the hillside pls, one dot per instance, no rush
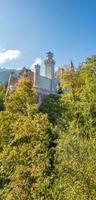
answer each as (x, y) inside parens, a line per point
(4, 75)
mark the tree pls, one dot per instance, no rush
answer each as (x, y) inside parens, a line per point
(2, 97)
(26, 147)
(51, 106)
(22, 98)
(25, 159)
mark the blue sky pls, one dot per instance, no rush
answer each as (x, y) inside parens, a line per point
(30, 28)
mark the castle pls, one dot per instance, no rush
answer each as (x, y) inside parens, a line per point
(44, 85)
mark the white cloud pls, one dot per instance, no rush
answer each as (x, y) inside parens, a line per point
(8, 55)
(38, 61)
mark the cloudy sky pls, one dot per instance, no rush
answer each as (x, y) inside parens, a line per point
(30, 28)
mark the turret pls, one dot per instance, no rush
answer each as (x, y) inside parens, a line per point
(49, 65)
(36, 75)
(71, 65)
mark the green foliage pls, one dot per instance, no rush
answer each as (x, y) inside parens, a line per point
(75, 177)
(24, 161)
(26, 144)
(2, 97)
(23, 99)
(75, 160)
(51, 106)
(47, 152)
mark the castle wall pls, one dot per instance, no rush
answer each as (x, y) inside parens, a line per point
(44, 83)
(54, 84)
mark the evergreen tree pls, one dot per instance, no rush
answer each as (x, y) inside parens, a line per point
(2, 97)
(51, 105)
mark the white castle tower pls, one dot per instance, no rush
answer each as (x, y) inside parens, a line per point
(49, 65)
(37, 75)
